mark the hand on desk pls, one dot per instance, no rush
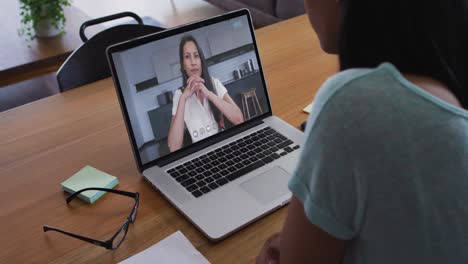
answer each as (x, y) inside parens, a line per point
(270, 251)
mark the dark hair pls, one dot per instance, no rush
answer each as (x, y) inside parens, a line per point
(425, 37)
(205, 74)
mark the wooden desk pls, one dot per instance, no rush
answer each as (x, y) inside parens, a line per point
(43, 143)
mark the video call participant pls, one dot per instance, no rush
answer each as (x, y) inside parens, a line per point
(202, 102)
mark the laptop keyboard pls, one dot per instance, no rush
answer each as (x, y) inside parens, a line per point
(231, 161)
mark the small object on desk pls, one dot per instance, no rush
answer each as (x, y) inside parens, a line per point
(308, 108)
(303, 125)
(175, 248)
(89, 177)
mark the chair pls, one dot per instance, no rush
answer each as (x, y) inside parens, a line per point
(88, 63)
(252, 95)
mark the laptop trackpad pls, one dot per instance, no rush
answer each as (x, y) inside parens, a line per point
(268, 186)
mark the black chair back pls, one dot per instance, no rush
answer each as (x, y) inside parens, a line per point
(88, 63)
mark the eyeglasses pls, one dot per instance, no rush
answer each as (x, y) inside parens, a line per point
(115, 241)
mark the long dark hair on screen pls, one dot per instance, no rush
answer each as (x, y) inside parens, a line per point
(425, 37)
(205, 75)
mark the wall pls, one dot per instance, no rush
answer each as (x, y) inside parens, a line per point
(129, 98)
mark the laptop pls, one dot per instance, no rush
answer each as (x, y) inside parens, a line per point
(200, 122)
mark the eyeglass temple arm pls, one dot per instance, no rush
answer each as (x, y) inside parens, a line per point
(87, 239)
(129, 194)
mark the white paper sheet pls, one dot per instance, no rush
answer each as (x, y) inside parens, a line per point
(308, 108)
(175, 248)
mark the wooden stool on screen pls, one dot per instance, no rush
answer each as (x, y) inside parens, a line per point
(245, 96)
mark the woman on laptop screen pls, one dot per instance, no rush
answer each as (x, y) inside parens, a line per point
(202, 102)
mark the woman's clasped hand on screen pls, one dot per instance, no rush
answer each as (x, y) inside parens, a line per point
(196, 85)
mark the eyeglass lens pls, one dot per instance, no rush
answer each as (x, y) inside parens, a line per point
(120, 237)
(134, 212)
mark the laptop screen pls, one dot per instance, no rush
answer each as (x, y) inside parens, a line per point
(184, 88)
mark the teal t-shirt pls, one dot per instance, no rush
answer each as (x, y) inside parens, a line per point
(385, 166)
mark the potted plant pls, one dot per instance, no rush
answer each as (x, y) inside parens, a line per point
(43, 18)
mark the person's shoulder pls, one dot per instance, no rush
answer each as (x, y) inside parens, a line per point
(342, 80)
(336, 84)
(176, 95)
(178, 92)
(353, 85)
(352, 96)
(218, 85)
(215, 81)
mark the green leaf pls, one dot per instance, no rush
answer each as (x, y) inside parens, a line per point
(33, 11)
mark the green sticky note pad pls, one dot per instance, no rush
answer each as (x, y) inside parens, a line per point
(89, 177)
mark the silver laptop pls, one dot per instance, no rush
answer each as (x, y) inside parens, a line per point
(200, 122)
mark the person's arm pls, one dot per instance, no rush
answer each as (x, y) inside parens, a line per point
(304, 242)
(175, 137)
(301, 242)
(228, 107)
